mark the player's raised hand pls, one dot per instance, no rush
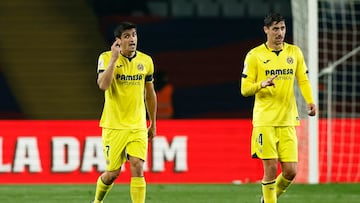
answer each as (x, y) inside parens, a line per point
(269, 81)
(311, 109)
(115, 49)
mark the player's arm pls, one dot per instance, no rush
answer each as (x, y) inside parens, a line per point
(151, 106)
(249, 86)
(305, 85)
(306, 91)
(106, 76)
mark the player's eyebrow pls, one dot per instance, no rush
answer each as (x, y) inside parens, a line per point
(278, 27)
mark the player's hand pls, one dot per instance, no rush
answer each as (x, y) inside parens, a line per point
(269, 81)
(115, 49)
(311, 109)
(151, 132)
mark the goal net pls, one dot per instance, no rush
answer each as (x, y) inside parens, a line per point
(338, 60)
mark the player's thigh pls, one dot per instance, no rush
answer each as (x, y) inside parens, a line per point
(114, 144)
(263, 142)
(288, 145)
(138, 144)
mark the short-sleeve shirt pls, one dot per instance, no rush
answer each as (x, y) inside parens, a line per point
(124, 106)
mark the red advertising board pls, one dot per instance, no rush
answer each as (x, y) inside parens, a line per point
(184, 151)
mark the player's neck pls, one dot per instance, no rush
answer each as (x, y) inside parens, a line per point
(128, 54)
(275, 47)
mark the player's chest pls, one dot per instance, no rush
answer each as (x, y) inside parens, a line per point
(272, 60)
(283, 65)
(130, 67)
(130, 73)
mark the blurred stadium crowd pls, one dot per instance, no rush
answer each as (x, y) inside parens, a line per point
(49, 53)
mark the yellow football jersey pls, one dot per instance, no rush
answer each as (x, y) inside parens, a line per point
(124, 106)
(275, 106)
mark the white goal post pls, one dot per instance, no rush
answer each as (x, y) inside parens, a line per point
(305, 15)
(313, 63)
(328, 32)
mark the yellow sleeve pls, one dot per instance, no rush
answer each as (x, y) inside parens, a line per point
(249, 85)
(102, 62)
(150, 73)
(303, 80)
(306, 91)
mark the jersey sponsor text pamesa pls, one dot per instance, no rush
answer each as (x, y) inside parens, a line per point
(129, 77)
(279, 71)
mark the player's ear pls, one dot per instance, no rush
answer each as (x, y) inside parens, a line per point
(266, 29)
(118, 40)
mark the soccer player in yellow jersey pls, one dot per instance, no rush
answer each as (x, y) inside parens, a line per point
(270, 70)
(126, 76)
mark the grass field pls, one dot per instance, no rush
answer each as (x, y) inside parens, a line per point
(182, 193)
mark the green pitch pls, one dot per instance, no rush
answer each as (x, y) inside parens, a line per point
(182, 193)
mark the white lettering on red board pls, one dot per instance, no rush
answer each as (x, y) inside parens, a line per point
(176, 152)
(4, 167)
(26, 156)
(66, 154)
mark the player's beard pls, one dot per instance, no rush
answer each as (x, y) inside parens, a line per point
(279, 41)
(132, 48)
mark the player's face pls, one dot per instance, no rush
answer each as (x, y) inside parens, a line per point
(129, 40)
(276, 33)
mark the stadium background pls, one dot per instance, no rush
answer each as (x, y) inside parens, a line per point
(48, 61)
(50, 49)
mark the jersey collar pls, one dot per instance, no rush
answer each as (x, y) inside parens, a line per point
(277, 52)
(130, 58)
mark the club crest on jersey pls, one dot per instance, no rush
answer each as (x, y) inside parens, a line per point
(140, 67)
(290, 60)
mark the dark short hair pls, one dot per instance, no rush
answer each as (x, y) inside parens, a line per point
(273, 17)
(122, 27)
